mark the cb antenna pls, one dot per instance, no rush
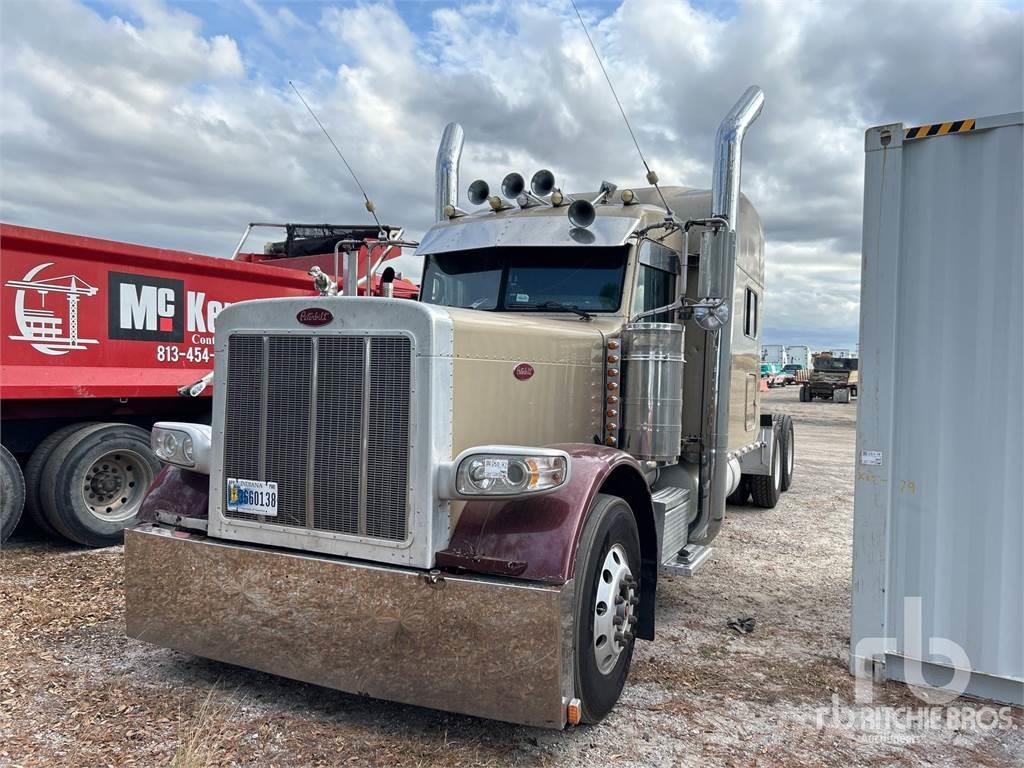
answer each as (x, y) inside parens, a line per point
(369, 203)
(652, 177)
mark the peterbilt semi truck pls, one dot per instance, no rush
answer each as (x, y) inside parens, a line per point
(466, 502)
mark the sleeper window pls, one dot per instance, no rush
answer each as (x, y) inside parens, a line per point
(750, 315)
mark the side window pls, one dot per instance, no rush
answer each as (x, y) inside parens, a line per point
(750, 314)
(656, 281)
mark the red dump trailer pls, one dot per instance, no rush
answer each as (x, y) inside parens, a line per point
(96, 337)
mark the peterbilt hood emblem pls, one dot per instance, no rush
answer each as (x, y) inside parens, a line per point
(523, 371)
(314, 316)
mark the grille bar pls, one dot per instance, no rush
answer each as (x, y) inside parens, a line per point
(328, 419)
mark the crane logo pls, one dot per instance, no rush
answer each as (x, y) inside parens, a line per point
(41, 325)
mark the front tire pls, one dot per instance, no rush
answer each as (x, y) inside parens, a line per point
(93, 483)
(607, 595)
(12, 493)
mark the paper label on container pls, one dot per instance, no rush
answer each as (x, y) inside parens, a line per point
(871, 458)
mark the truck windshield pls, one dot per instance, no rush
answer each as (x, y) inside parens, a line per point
(510, 279)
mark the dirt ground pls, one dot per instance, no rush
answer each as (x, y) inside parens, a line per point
(75, 691)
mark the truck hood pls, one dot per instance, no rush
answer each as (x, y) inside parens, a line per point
(527, 379)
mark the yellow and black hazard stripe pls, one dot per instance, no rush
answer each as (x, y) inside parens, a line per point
(938, 129)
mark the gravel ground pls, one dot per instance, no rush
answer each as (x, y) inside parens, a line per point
(75, 691)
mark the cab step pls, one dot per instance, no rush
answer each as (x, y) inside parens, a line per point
(688, 562)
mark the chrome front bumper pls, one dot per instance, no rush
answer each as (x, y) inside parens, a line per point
(478, 646)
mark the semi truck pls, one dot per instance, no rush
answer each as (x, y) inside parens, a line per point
(96, 337)
(833, 378)
(466, 502)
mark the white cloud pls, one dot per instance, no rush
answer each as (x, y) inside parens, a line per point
(147, 127)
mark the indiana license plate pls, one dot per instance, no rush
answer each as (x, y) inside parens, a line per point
(252, 497)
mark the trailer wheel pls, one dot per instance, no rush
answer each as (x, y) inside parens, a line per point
(788, 453)
(34, 472)
(805, 395)
(765, 489)
(607, 593)
(12, 493)
(93, 484)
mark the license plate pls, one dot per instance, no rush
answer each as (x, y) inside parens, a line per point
(252, 497)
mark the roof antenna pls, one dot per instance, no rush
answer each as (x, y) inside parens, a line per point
(369, 203)
(652, 177)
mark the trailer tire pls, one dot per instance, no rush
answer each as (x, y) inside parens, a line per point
(93, 483)
(12, 493)
(607, 569)
(788, 453)
(765, 489)
(34, 472)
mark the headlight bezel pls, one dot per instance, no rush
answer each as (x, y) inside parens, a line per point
(174, 441)
(503, 472)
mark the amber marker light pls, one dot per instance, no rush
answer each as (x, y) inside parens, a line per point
(574, 712)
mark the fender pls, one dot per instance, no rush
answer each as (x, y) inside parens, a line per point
(536, 538)
(176, 492)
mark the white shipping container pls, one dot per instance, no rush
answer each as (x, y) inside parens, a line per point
(773, 353)
(938, 568)
(799, 355)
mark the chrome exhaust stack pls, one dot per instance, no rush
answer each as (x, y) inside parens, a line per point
(446, 170)
(716, 284)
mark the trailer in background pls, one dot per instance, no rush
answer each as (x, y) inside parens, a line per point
(799, 355)
(938, 529)
(96, 337)
(774, 354)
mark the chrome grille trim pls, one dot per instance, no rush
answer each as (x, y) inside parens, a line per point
(334, 423)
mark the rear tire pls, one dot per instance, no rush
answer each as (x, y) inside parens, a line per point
(93, 483)
(788, 453)
(805, 395)
(34, 473)
(12, 493)
(842, 396)
(765, 489)
(607, 591)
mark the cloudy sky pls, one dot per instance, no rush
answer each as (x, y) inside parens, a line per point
(172, 123)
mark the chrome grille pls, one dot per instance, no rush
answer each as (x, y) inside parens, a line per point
(327, 419)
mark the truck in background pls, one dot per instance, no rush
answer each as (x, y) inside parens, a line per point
(833, 378)
(465, 502)
(96, 337)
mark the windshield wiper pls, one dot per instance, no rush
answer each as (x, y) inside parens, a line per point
(570, 307)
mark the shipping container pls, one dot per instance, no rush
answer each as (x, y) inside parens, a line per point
(939, 525)
(799, 355)
(774, 354)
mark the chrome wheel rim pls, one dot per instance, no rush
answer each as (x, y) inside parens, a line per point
(614, 609)
(115, 485)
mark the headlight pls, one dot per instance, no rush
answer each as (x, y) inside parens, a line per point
(181, 444)
(504, 471)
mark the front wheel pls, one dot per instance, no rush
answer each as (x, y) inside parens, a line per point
(607, 596)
